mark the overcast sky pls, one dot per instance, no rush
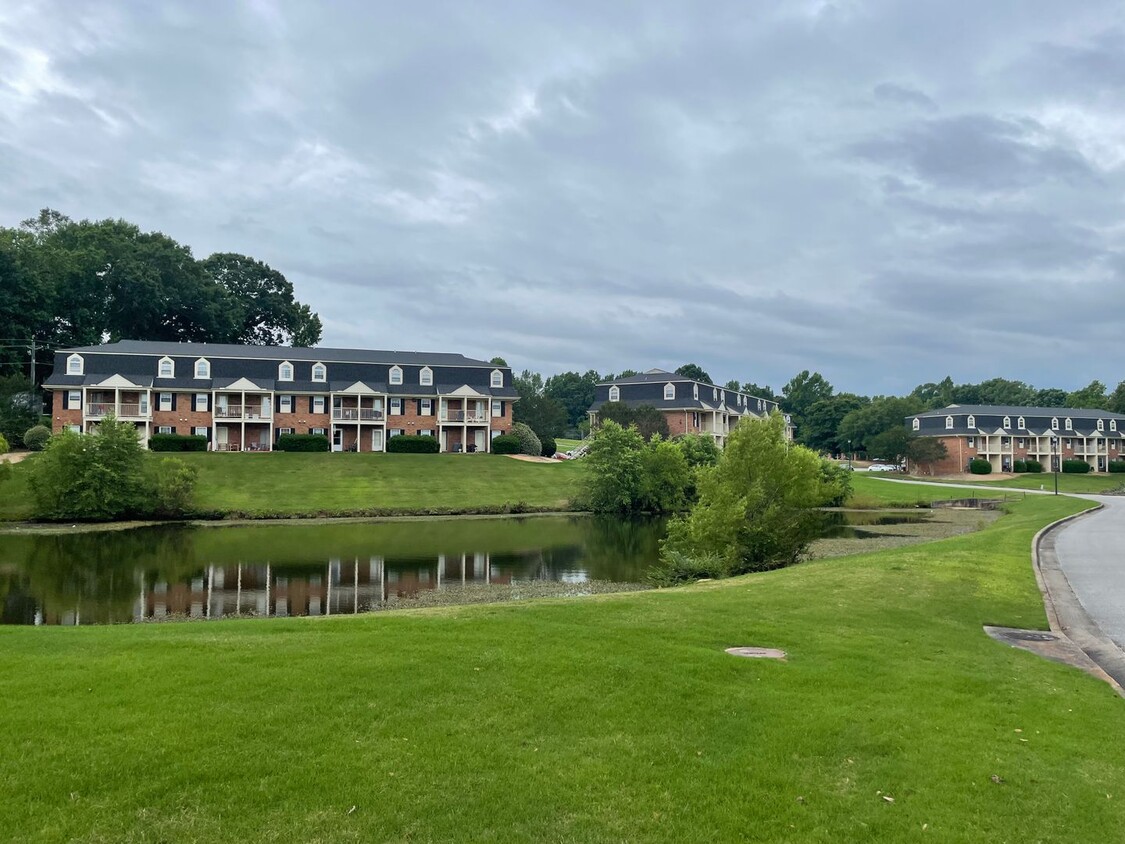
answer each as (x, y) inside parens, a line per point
(884, 191)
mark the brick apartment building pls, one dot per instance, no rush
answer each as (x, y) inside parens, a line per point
(1002, 435)
(243, 397)
(691, 407)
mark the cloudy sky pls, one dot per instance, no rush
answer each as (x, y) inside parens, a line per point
(884, 191)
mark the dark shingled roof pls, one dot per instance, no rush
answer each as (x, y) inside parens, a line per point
(1012, 410)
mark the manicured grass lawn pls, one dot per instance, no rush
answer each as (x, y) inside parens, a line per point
(1067, 483)
(610, 718)
(568, 445)
(307, 484)
(870, 491)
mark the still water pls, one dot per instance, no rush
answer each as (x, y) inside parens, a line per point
(297, 569)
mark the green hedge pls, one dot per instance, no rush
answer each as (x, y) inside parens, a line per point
(403, 444)
(1019, 466)
(177, 442)
(1075, 467)
(506, 444)
(1034, 466)
(302, 442)
(36, 438)
(1117, 465)
(549, 446)
(980, 466)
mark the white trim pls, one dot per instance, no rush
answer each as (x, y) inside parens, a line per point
(496, 378)
(1113, 424)
(1022, 423)
(615, 393)
(1101, 424)
(281, 371)
(1007, 422)
(160, 402)
(1055, 423)
(670, 388)
(394, 375)
(971, 421)
(949, 423)
(917, 424)
(119, 381)
(283, 400)
(160, 367)
(394, 401)
(323, 372)
(81, 370)
(426, 376)
(1069, 424)
(207, 368)
(497, 409)
(195, 402)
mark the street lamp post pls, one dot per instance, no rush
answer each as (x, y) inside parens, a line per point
(1055, 461)
(849, 454)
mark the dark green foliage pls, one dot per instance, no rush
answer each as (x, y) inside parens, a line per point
(923, 450)
(1033, 466)
(574, 391)
(677, 567)
(177, 442)
(1116, 466)
(1075, 467)
(261, 300)
(694, 372)
(699, 449)
(4, 447)
(665, 478)
(543, 414)
(170, 487)
(836, 481)
(549, 446)
(980, 466)
(819, 426)
(19, 406)
(505, 444)
(803, 391)
(648, 421)
(1019, 466)
(529, 442)
(36, 437)
(882, 415)
(302, 442)
(403, 444)
(1091, 397)
(626, 474)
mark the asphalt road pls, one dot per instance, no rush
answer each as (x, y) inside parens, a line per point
(1091, 553)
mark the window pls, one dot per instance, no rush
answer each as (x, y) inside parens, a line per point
(318, 431)
(917, 424)
(1007, 422)
(695, 419)
(395, 432)
(74, 399)
(396, 407)
(1069, 424)
(199, 432)
(165, 401)
(426, 377)
(76, 428)
(319, 372)
(164, 429)
(949, 423)
(285, 371)
(203, 368)
(426, 432)
(396, 375)
(75, 365)
(695, 391)
(201, 402)
(714, 394)
(1069, 443)
(318, 404)
(497, 408)
(281, 431)
(497, 378)
(1101, 424)
(166, 368)
(972, 442)
(615, 393)
(427, 408)
(1022, 424)
(971, 422)
(1023, 443)
(760, 404)
(669, 392)
(1113, 424)
(1055, 424)
(286, 404)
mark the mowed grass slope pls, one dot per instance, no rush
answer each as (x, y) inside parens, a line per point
(613, 718)
(1089, 483)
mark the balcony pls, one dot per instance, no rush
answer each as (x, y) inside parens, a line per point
(237, 411)
(125, 410)
(356, 414)
(469, 417)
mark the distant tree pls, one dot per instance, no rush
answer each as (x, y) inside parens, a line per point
(994, 391)
(732, 385)
(544, 415)
(1116, 399)
(528, 383)
(19, 407)
(575, 391)
(261, 298)
(694, 372)
(803, 391)
(625, 373)
(624, 474)
(822, 421)
(926, 450)
(935, 395)
(760, 392)
(1091, 396)
(890, 445)
(498, 361)
(883, 413)
(699, 449)
(1050, 397)
(650, 421)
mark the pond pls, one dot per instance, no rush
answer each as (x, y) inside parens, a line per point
(301, 568)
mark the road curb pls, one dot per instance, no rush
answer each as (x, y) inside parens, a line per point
(1065, 613)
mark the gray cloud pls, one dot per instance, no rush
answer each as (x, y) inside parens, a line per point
(758, 189)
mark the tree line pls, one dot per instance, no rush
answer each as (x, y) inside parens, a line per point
(76, 283)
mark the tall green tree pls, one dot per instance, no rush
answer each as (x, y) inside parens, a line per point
(261, 300)
(1116, 400)
(544, 415)
(884, 413)
(1050, 397)
(803, 391)
(822, 420)
(574, 390)
(1091, 396)
(695, 372)
(759, 391)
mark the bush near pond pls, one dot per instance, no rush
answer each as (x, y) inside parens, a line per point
(302, 442)
(980, 466)
(403, 444)
(549, 446)
(1075, 467)
(506, 444)
(530, 443)
(1117, 466)
(177, 442)
(35, 439)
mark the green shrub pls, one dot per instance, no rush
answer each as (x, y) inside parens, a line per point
(549, 447)
(676, 567)
(1019, 466)
(1033, 466)
(529, 442)
(699, 449)
(302, 442)
(506, 444)
(403, 444)
(837, 483)
(1075, 467)
(4, 447)
(177, 442)
(1117, 466)
(170, 487)
(980, 466)
(35, 439)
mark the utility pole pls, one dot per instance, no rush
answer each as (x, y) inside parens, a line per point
(32, 363)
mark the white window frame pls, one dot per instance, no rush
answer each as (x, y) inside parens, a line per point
(199, 431)
(285, 371)
(281, 431)
(319, 432)
(75, 428)
(1069, 424)
(695, 391)
(714, 394)
(971, 421)
(669, 392)
(496, 378)
(615, 393)
(497, 408)
(426, 376)
(171, 368)
(195, 402)
(160, 403)
(70, 399)
(949, 423)
(427, 408)
(396, 432)
(395, 375)
(1101, 424)
(395, 407)
(1113, 424)
(1055, 424)
(1007, 421)
(70, 367)
(164, 429)
(319, 404)
(322, 369)
(972, 442)
(917, 424)
(285, 403)
(206, 366)
(426, 432)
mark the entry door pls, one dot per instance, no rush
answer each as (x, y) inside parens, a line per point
(337, 439)
(376, 439)
(479, 439)
(221, 434)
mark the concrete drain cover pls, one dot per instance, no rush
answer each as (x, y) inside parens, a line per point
(757, 653)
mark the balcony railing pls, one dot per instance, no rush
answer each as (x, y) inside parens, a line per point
(356, 414)
(126, 410)
(237, 411)
(470, 416)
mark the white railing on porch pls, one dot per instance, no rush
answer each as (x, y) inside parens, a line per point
(472, 416)
(354, 414)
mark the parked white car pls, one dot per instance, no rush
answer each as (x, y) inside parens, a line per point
(883, 467)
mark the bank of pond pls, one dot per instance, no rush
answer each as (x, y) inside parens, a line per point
(278, 569)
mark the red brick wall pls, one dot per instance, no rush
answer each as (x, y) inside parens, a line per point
(60, 417)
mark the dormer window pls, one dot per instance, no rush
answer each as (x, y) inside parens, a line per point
(669, 392)
(1007, 421)
(695, 391)
(285, 371)
(949, 423)
(319, 372)
(917, 424)
(1069, 424)
(426, 377)
(1022, 423)
(203, 368)
(75, 365)
(615, 393)
(166, 368)
(1101, 424)
(971, 421)
(396, 375)
(1113, 424)
(497, 378)
(714, 394)
(1055, 424)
